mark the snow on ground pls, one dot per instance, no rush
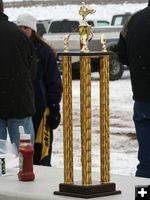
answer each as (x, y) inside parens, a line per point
(71, 11)
(12, 0)
(122, 139)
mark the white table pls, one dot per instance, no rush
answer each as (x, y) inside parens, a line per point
(48, 179)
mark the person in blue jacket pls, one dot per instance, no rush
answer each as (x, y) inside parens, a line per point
(48, 92)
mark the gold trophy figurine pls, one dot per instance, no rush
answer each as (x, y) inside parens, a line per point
(66, 43)
(85, 31)
(103, 42)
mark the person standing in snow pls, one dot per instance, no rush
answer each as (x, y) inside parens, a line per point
(17, 69)
(134, 51)
(48, 91)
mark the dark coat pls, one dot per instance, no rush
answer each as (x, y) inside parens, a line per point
(17, 68)
(134, 51)
(47, 85)
(48, 92)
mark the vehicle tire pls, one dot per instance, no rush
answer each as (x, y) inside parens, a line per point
(116, 69)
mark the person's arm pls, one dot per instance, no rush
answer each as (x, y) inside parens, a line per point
(122, 45)
(53, 85)
(122, 50)
(52, 79)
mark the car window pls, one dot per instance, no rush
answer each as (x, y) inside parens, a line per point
(118, 20)
(40, 29)
(64, 26)
(102, 23)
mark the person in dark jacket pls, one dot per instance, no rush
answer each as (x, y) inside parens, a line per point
(134, 51)
(17, 69)
(48, 91)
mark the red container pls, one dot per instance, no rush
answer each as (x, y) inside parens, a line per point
(26, 152)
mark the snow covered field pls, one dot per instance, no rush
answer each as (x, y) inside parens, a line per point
(122, 140)
(71, 11)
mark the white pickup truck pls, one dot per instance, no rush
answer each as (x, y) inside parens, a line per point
(59, 28)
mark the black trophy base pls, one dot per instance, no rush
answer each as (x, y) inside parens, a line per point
(90, 191)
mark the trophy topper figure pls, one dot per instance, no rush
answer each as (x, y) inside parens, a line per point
(84, 11)
(103, 42)
(85, 31)
(66, 43)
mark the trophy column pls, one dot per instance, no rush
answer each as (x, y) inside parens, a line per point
(86, 187)
(85, 107)
(67, 119)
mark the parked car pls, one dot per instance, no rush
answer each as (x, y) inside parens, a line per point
(71, 25)
(58, 29)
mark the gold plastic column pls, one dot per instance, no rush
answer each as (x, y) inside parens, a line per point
(67, 119)
(85, 112)
(104, 119)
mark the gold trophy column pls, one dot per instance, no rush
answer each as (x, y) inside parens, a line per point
(86, 34)
(104, 115)
(67, 119)
(85, 108)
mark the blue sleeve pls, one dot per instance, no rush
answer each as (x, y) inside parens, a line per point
(52, 79)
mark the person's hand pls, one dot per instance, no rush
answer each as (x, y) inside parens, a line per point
(53, 120)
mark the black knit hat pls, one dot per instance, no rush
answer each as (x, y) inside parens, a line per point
(1, 6)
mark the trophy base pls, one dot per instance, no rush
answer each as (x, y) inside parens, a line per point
(90, 191)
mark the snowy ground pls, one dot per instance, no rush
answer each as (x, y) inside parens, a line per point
(122, 139)
(71, 11)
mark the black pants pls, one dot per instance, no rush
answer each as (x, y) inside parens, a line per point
(142, 124)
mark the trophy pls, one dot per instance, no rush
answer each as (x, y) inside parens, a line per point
(85, 31)
(86, 187)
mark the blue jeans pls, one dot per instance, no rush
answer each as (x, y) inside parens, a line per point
(13, 129)
(142, 125)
